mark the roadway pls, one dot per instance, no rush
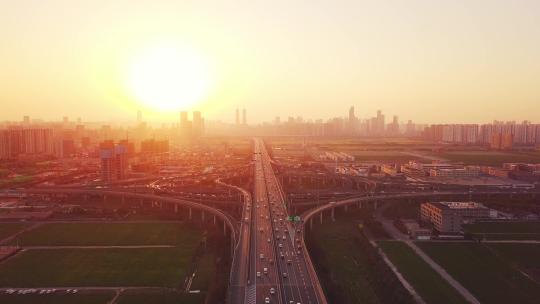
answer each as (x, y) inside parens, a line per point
(281, 271)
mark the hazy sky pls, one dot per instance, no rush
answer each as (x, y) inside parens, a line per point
(430, 61)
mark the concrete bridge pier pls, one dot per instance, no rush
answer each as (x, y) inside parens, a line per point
(214, 220)
(333, 214)
(321, 216)
(190, 214)
(224, 228)
(311, 224)
(346, 207)
(202, 216)
(175, 208)
(375, 205)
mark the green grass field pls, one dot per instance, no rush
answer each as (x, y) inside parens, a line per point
(97, 267)
(490, 277)
(522, 256)
(428, 283)
(7, 229)
(523, 230)
(490, 158)
(205, 272)
(86, 234)
(348, 273)
(348, 265)
(57, 298)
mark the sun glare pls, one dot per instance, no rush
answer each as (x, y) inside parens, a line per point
(167, 78)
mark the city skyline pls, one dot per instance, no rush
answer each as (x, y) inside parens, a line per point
(462, 62)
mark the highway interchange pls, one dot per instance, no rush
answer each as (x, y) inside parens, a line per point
(279, 271)
(270, 264)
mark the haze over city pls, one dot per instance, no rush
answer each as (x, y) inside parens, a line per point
(448, 62)
(269, 152)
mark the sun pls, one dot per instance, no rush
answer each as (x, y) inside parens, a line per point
(168, 77)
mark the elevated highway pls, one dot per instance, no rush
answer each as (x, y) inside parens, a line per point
(228, 221)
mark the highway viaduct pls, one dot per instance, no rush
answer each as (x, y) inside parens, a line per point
(308, 215)
(229, 223)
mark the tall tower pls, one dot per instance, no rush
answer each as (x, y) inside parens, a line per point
(198, 123)
(185, 125)
(237, 116)
(244, 121)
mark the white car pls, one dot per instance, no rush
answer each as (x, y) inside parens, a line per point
(258, 274)
(272, 290)
(265, 270)
(267, 300)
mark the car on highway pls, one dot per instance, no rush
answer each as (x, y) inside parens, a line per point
(280, 245)
(289, 262)
(265, 270)
(261, 256)
(258, 274)
(285, 275)
(272, 290)
(267, 300)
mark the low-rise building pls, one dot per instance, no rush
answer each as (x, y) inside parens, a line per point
(447, 217)
(469, 171)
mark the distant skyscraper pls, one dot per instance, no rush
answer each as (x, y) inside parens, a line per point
(185, 125)
(139, 116)
(183, 117)
(380, 123)
(237, 116)
(26, 120)
(198, 124)
(244, 119)
(352, 124)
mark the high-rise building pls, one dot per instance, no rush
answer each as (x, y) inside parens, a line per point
(237, 116)
(114, 160)
(26, 120)
(501, 141)
(185, 125)
(244, 119)
(14, 142)
(352, 123)
(198, 124)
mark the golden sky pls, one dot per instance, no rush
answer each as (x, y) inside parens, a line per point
(430, 61)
